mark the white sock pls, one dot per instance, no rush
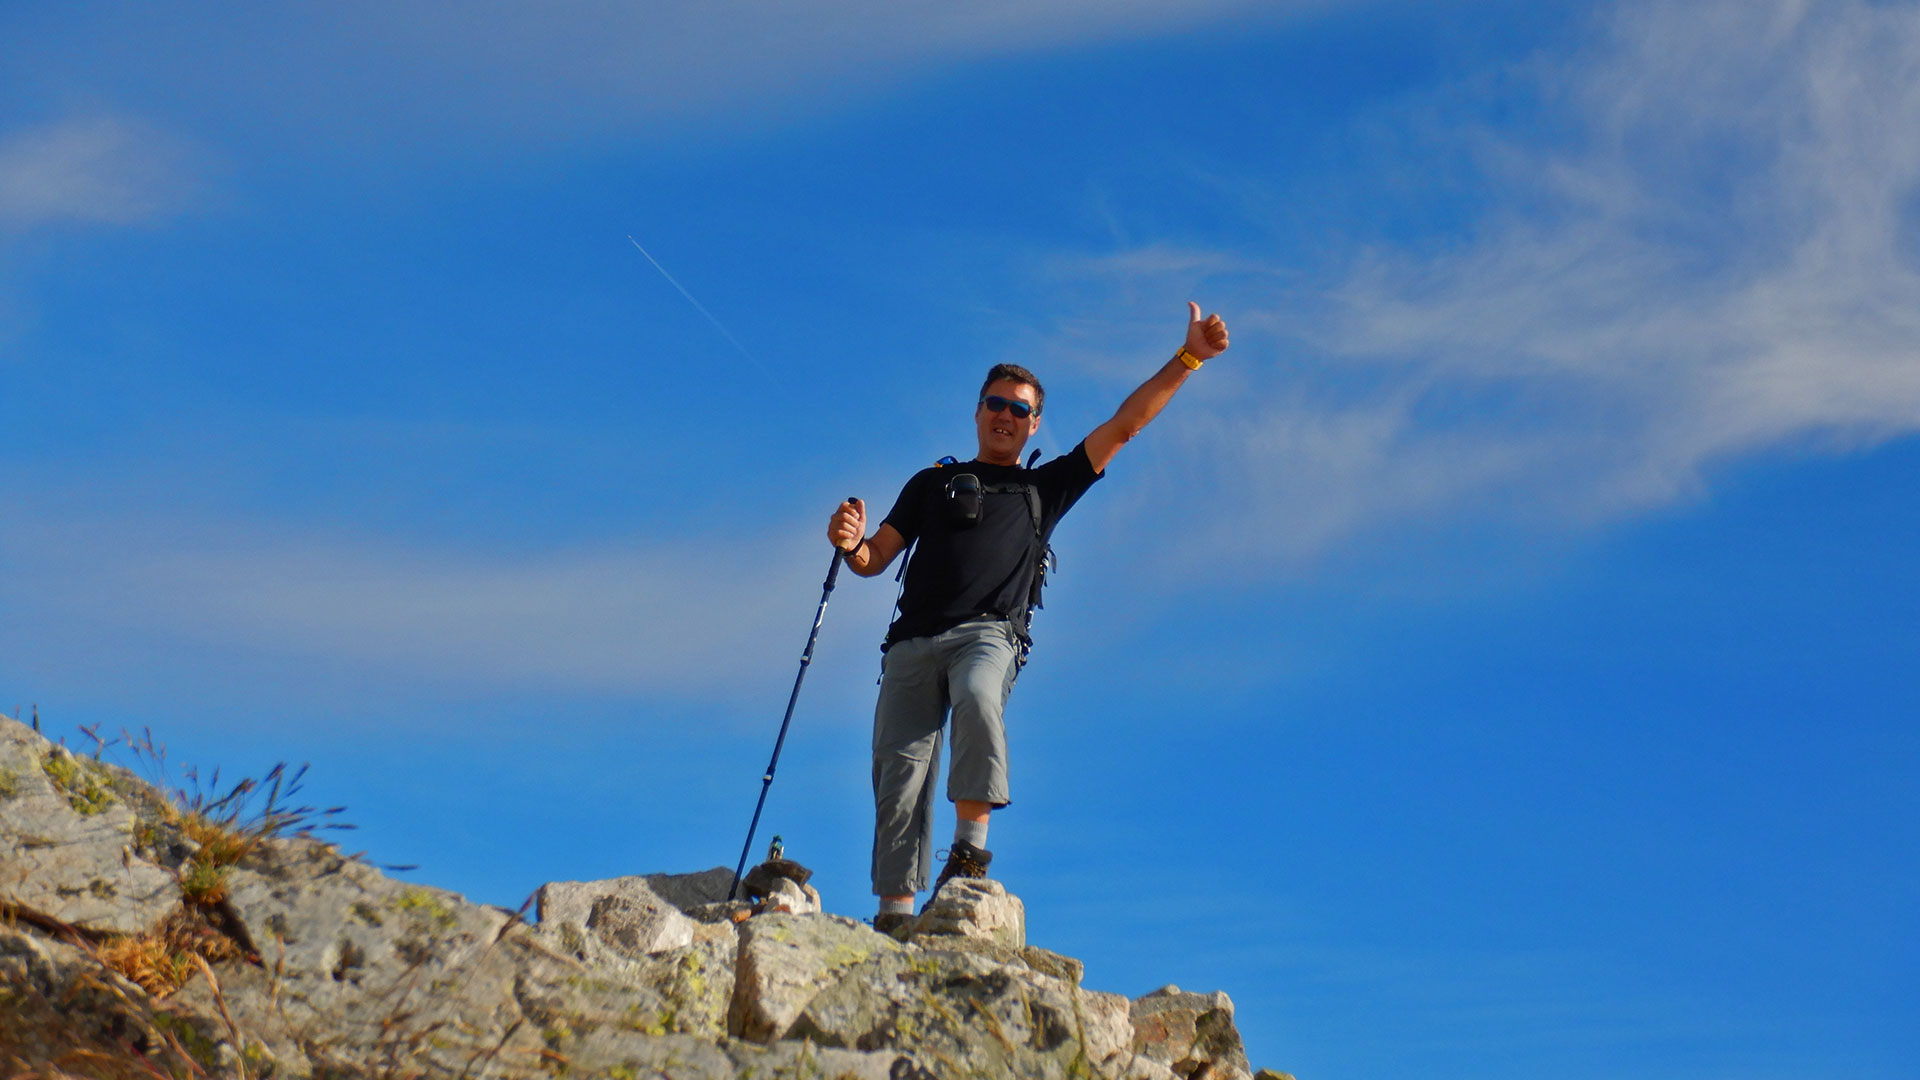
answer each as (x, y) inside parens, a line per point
(973, 832)
(896, 907)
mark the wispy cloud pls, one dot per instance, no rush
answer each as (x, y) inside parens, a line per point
(1713, 255)
(1724, 254)
(405, 74)
(697, 617)
(98, 170)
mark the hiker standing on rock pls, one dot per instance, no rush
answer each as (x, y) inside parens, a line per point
(960, 637)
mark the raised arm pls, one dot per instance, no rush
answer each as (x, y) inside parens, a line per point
(1206, 339)
(866, 555)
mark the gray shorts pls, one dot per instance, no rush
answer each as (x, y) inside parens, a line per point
(969, 670)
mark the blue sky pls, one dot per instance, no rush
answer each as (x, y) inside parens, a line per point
(1498, 664)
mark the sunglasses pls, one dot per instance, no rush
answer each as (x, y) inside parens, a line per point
(995, 403)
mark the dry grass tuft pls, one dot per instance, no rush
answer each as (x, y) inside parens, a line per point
(221, 844)
(148, 961)
(162, 962)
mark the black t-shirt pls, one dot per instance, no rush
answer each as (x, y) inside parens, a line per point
(959, 572)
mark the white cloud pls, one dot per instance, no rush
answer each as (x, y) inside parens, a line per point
(1709, 258)
(1720, 271)
(99, 170)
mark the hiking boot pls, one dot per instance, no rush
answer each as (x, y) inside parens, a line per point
(963, 860)
(890, 922)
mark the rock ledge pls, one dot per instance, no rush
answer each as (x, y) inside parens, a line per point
(336, 970)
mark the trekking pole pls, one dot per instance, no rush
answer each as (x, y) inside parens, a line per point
(766, 782)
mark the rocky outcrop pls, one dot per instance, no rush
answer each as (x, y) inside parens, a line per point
(784, 961)
(330, 968)
(626, 914)
(975, 910)
(1191, 1033)
(67, 841)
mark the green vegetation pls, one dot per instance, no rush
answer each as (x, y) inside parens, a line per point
(422, 903)
(204, 883)
(86, 785)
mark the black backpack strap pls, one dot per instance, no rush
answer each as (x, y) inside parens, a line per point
(1043, 557)
(1032, 494)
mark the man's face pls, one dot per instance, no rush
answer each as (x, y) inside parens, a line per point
(1002, 437)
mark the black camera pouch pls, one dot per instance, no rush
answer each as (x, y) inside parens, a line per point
(963, 501)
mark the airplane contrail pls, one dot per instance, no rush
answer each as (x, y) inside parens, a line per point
(701, 308)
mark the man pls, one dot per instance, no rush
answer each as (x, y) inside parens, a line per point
(961, 633)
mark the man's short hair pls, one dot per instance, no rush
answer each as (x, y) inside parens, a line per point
(1017, 374)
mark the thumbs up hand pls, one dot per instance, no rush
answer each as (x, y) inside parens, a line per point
(1206, 337)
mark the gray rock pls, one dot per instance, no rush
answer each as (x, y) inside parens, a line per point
(67, 848)
(691, 890)
(638, 927)
(784, 960)
(576, 1013)
(974, 908)
(623, 913)
(382, 968)
(1047, 962)
(695, 986)
(962, 1014)
(1190, 1033)
(1108, 1021)
(246, 993)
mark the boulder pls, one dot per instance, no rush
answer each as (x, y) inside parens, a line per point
(958, 1013)
(784, 960)
(636, 928)
(67, 842)
(1193, 1034)
(974, 908)
(691, 890)
(625, 914)
(697, 985)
